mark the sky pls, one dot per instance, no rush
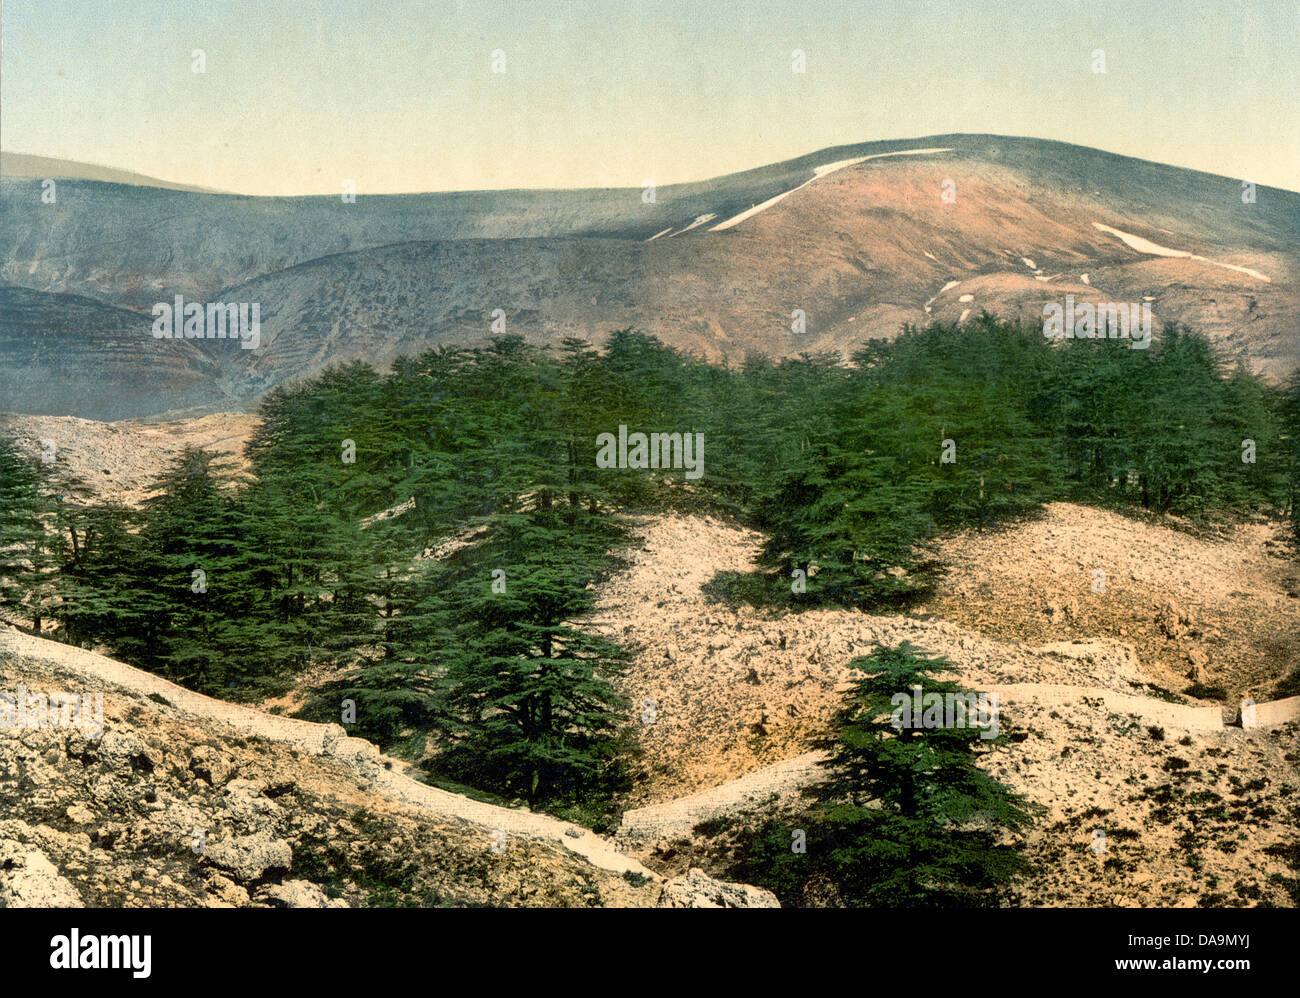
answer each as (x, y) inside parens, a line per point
(298, 95)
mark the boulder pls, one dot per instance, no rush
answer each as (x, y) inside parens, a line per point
(207, 764)
(125, 751)
(29, 880)
(225, 893)
(249, 858)
(296, 894)
(698, 890)
(245, 801)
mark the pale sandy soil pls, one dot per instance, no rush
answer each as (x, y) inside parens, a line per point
(735, 688)
(117, 461)
(719, 692)
(1238, 594)
(42, 664)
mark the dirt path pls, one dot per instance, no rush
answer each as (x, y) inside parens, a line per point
(719, 691)
(675, 819)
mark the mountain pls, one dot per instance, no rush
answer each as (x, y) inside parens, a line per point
(17, 164)
(65, 354)
(859, 238)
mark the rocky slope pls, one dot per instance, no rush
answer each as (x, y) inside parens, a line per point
(116, 462)
(1221, 610)
(69, 354)
(158, 796)
(727, 698)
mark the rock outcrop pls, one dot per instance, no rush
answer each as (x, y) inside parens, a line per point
(698, 890)
(185, 801)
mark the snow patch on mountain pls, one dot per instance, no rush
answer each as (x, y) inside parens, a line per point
(818, 173)
(946, 287)
(1154, 249)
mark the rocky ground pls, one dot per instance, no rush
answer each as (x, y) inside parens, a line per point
(116, 462)
(1192, 812)
(169, 805)
(1118, 701)
(1138, 815)
(1220, 609)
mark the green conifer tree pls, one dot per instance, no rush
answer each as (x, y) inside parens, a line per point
(905, 817)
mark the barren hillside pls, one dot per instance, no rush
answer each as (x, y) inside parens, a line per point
(725, 700)
(1194, 809)
(158, 796)
(117, 461)
(1219, 610)
(861, 239)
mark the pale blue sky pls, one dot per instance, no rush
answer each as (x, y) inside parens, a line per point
(399, 96)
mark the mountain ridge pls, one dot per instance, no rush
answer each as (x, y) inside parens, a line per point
(19, 164)
(858, 239)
